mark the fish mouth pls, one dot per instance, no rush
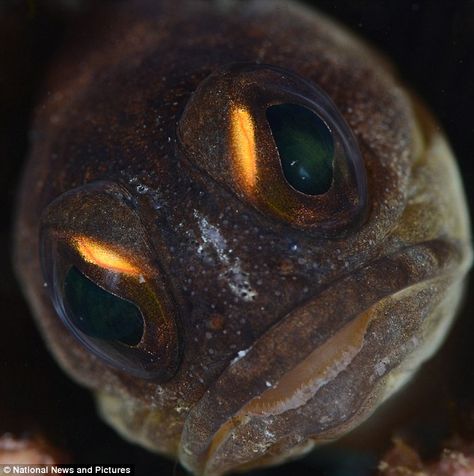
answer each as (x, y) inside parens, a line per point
(326, 366)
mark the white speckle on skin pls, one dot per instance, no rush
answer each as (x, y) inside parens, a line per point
(240, 354)
(381, 367)
(268, 434)
(325, 419)
(236, 278)
(142, 189)
(211, 236)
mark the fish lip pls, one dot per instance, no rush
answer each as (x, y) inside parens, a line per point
(417, 264)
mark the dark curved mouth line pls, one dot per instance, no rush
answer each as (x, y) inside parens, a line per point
(370, 262)
(346, 275)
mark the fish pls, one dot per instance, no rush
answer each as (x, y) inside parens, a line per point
(237, 227)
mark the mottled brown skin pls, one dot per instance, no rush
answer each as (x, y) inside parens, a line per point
(111, 112)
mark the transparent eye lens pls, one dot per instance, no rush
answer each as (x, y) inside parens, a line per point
(99, 313)
(305, 145)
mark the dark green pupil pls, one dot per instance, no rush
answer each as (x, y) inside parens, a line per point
(99, 313)
(305, 145)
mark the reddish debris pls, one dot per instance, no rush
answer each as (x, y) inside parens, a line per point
(402, 460)
(28, 450)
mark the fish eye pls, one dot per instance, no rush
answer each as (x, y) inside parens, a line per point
(105, 284)
(99, 313)
(305, 147)
(279, 142)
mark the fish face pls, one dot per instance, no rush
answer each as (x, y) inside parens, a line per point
(239, 231)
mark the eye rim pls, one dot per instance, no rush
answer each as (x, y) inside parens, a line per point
(253, 88)
(158, 354)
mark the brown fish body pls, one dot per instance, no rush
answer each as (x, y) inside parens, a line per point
(271, 319)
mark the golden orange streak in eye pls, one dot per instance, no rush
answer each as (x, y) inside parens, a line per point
(103, 256)
(243, 137)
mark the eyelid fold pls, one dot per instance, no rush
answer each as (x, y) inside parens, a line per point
(95, 229)
(224, 131)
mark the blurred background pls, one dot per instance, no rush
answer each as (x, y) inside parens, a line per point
(432, 43)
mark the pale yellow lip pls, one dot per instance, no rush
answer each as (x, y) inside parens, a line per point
(304, 380)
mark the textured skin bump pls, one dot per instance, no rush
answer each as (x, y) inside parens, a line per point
(256, 296)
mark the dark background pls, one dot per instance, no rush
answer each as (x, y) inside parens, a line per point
(432, 43)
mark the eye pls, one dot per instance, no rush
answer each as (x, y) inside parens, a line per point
(99, 313)
(106, 285)
(280, 144)
(305, 147)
